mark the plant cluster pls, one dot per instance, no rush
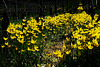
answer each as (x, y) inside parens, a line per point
(81, 32)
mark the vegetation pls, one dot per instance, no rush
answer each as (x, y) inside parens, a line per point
(28, 41)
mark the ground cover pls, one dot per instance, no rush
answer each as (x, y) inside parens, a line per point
(50, 40)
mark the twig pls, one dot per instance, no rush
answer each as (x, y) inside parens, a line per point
(5, 4)
(6, 7)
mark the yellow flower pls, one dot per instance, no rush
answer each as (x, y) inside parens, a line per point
(32, 50)
(78, 42)
(80, 47)
(90, 25)
(21, 32)
(5, 38)
(32, 41)
(6, 43)
(50, 29)
(68, 52)
(90, 47)
(58, 53)
(95, 41)
(36, 47)
(49, 54)
(43, 34)
(89, 43)
(96, 16)
(48, 65)
(64, 47)
(80, 8)
(12, 37)
(54, 32)
(39, 22)
(97, 45)
(80, 4)
(74, 57)
(27, 34)
(39, 65)
(16, 48)
(28, 43)
(23, 23)
(21, 36)
(16, 34)
(2, 46)
(24, 20)
(39, 18)
(28, 49)
(11, 30)
(22, 50)
(99, 21)
(83, 38)
(25, 28)
(67, 38)
(21, 40)
(73, 46)
(9, 45)
(24, 31)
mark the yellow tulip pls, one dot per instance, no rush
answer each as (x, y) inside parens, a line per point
(6, 43)
(90, 47)
(16, 48)
(32, 41)
(22, 50)
(24, 20)
(68, 52)
(5, 38)
(9, 45)
(36, 47)
(2, 46)
(80, 47)
(12, 37)
(74, 57)
(28, 49)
